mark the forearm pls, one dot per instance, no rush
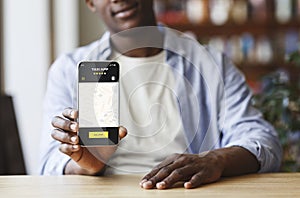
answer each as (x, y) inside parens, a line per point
(86, 164)
(72, 168)
(236, 161)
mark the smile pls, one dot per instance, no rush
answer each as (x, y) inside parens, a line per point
(126, 12)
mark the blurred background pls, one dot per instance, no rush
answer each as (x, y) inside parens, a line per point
(260, 36)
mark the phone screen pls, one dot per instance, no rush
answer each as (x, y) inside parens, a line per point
(98, 103)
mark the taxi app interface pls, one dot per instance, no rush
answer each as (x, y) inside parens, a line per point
(98, 103)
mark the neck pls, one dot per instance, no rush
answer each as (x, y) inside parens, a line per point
(138, 42)
(143, 52)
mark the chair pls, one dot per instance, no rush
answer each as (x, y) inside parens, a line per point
(11, 155)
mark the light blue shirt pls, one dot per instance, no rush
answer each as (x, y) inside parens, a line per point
(213, 98)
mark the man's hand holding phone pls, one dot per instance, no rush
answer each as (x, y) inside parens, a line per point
(83, 160)
(98, 103)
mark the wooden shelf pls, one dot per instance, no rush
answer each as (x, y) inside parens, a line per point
(268, 26)
(255, 73)
(255, 28)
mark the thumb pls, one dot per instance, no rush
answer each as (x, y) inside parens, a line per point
(122, 132)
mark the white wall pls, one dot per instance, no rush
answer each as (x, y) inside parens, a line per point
(74, 25)
(27, 57)
(26, 61)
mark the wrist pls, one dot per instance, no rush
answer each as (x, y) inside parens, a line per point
(220, 159)
(237, 160)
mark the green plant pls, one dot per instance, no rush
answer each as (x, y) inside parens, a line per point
(279, 102)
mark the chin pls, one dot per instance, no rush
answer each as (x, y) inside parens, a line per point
(127, 25)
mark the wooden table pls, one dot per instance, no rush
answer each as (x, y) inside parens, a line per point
(257, 185)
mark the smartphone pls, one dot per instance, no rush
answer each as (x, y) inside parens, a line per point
(98, 103)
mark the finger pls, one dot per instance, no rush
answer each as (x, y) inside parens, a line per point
(169, 160)
(177, 175)
(155, 170)
(70, 113)
(69, 149)
(163, 173)
(69, 138)
(196, 181)
(158, 176)
(122, 132)
(150, 184)
(67, 125)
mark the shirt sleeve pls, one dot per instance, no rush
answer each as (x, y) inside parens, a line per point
(243, 125)
(59, 95)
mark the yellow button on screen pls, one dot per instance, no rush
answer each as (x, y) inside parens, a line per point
(98, 134)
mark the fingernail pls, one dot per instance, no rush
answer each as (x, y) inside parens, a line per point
(188, 185)
(143, 181)
(72, 113)
(73, 127)
(74, 139)
(75, 146)
(161, 185)
(147, 184)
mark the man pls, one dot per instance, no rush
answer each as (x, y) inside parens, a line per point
(176, 97)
